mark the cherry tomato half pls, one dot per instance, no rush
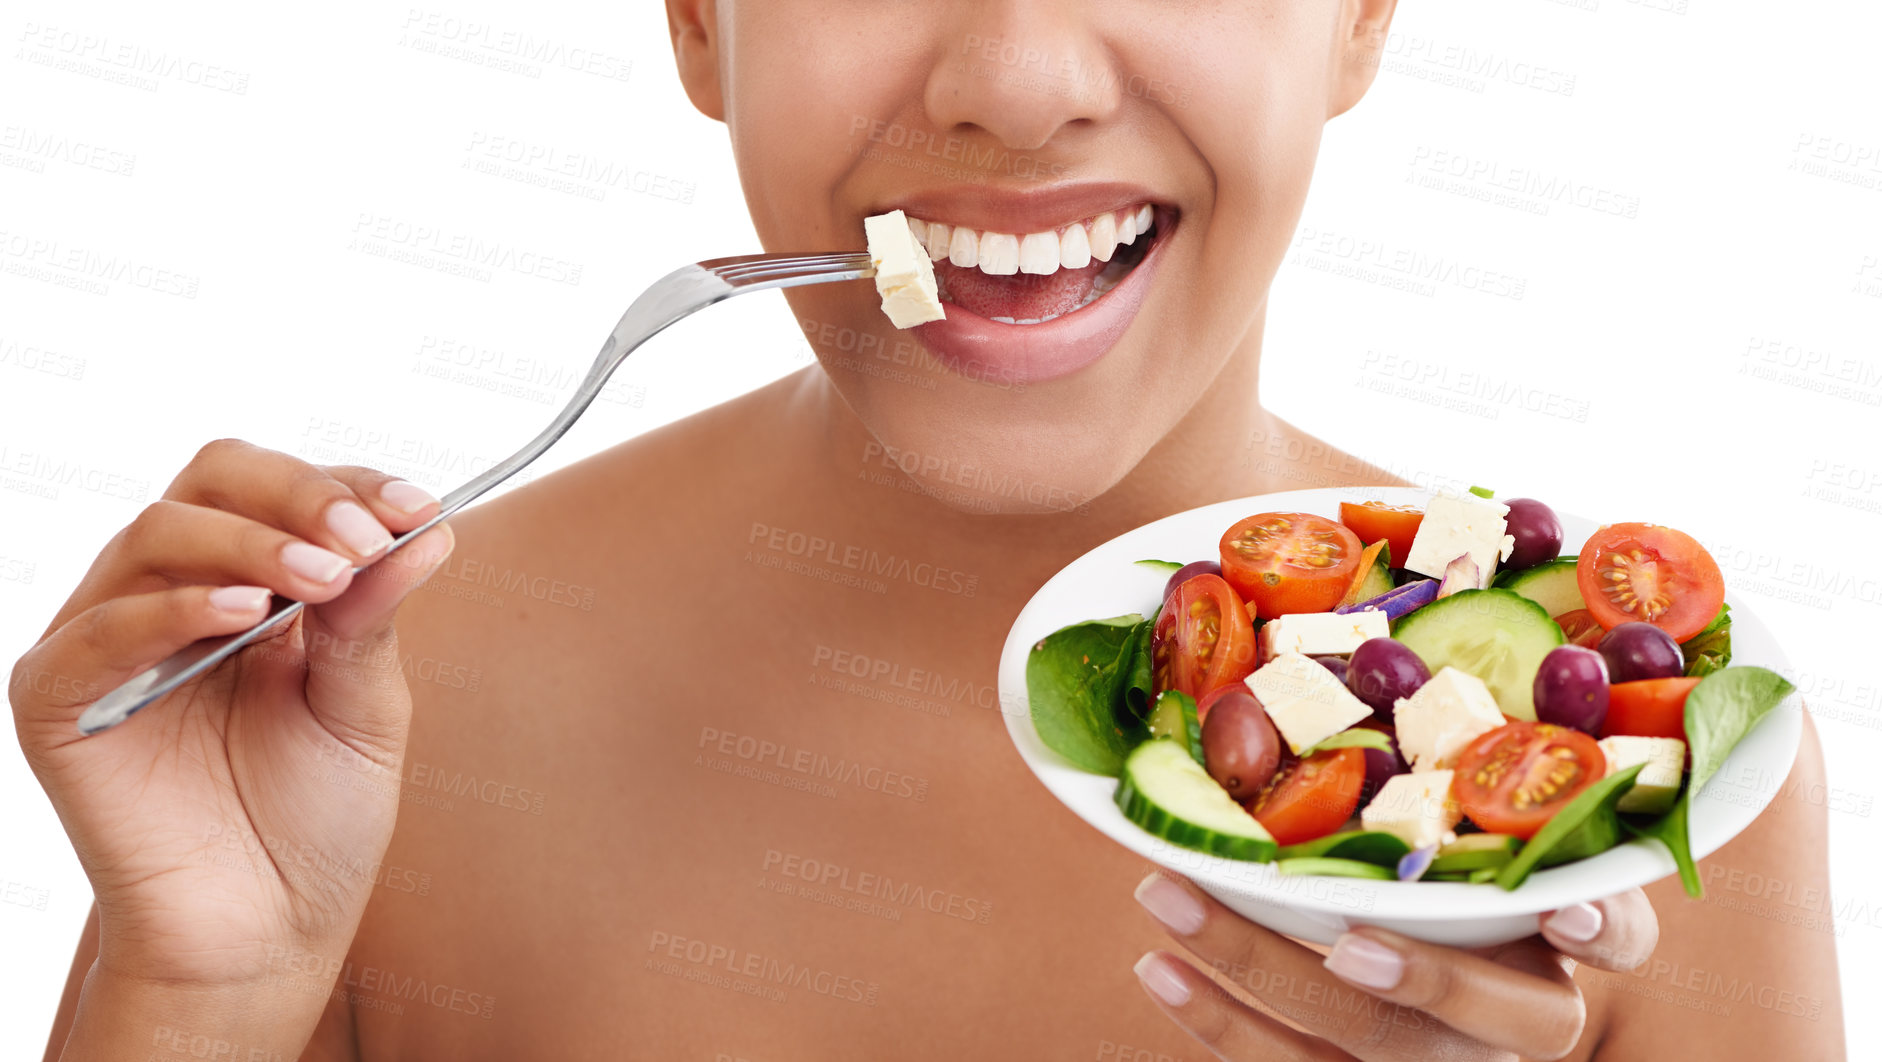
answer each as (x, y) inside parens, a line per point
(1648, 707)
(1374, 520)
(1203, 639)
(1581, 628)
(1650, 573)
(1515, 778)
(1290, 562)
(1312, 797)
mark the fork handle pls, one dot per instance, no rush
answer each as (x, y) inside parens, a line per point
(161, 680)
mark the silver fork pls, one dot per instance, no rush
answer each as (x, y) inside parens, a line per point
(684, 291)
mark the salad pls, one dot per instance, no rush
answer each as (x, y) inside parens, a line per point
(1482, 708)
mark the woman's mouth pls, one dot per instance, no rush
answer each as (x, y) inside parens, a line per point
(1034, 277)
(1031, 306)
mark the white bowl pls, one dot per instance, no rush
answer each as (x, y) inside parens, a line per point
(1105, 582)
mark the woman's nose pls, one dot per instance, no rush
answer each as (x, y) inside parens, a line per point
(1021, 70)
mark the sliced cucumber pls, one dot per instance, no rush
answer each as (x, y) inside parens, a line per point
(1550, 584)
(1476, 851)
(1174, 717)
(1168, 793)
(1335, 868)
(1499, 636)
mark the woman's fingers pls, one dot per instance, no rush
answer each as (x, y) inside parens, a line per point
(347, 509)
(1618, 933)
(109, 643)
(178, 542)
(1521, 998)
(1289, 978)
(1226, 1026)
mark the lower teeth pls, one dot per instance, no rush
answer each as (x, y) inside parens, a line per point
(1107, 278)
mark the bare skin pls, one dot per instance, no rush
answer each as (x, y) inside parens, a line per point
(602, 711)
(621, 677)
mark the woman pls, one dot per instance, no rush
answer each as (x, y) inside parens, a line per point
(593, 730)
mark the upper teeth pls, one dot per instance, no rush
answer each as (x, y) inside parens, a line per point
(1003, 253)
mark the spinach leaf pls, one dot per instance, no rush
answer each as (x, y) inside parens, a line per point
(1137, 673)
(1354, 737)
(1365, 846)
(1586, 825)
(1711, 649)
(1075, 679)
(1670, 830)
(1720, 711)
(1162, 565)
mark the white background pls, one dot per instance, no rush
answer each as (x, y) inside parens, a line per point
(1695, 341)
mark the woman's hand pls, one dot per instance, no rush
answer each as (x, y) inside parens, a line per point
(232, 830)
(1380, 995)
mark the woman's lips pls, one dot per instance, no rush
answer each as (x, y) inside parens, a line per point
(984, 349)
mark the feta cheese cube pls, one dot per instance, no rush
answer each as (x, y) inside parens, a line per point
(1416, 808)
(904, 273)
(1306, 703)
(1322, 632)
(1461, 526)
(1657, 784)
(1444, 715)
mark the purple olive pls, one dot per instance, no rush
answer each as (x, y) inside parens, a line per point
(1538, 534)
(1239, 745)
(1381, 671)
(1572, 689)
(1335, 664)
(1183, 574)
(1640, 651)
(1381, 766)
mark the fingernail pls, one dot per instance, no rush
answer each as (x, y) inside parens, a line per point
(1580, 923)
(239, 598)
(356, 528)
(311, 562)
(405, 497)
(1163, 983)
(1366, 963)
(1171, 905)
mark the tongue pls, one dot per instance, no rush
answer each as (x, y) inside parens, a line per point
(1021, 296)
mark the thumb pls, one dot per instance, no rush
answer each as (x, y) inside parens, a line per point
(355, 678)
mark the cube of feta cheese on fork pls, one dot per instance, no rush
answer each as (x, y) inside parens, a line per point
(904, 273)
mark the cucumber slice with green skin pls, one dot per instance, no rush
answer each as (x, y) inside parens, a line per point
(1174, 717)
(1165, 791)
(1550, 584)
(1497, 635)
(1365, 846)
(1336, 868)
